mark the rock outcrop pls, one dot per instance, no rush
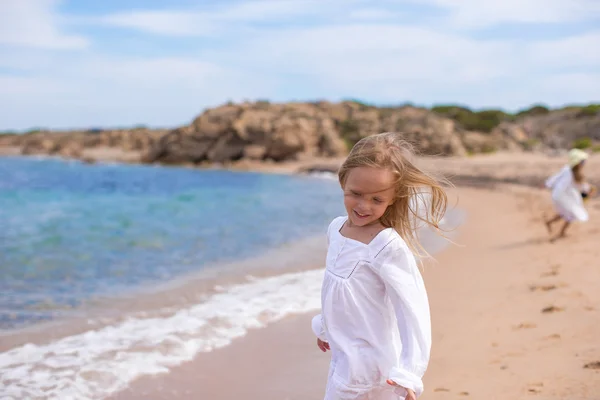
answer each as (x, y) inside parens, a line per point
(292, 131)
(78, 144)
(263, 132)
(256, 131)
(559, 129)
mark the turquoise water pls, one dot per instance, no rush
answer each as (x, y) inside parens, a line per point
(70, 231)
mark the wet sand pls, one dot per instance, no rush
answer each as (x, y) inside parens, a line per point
(514, 316)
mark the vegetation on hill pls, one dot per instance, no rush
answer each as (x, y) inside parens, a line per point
(484, 120)
(487, 120)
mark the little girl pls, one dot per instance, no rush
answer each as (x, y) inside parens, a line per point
(568, 188)
(375, 312)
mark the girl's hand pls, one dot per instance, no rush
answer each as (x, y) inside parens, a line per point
(410, 396)
(324, 346)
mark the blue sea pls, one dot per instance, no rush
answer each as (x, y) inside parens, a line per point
(71, 231)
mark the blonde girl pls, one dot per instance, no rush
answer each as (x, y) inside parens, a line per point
(374, 308)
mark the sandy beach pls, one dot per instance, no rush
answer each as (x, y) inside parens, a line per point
(514, 316)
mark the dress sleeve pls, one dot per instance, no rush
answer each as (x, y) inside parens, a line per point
(317, 327)
(333, 225)
(552, 180)
(405, 288)
(564, 180)
(317, 321)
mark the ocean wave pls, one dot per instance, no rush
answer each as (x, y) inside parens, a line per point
(98, 363)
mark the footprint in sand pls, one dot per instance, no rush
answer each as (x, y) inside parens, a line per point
(552, 309)
(525, 325)
(535, 387)
(543, 288)
(514, 354)
(554, 336)
(554, 270)
(441, 390)
(592, 365)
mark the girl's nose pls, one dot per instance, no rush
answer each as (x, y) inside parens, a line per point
(362, 208)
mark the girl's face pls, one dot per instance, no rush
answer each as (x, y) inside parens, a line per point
(368, 192)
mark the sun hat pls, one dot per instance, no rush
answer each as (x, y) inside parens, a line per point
(576, 156)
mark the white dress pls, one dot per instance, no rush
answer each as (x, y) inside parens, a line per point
(375, 317)
(566, 196)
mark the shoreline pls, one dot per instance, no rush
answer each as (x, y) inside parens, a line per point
(180, 292)
(481, 170)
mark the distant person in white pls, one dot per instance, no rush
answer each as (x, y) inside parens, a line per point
(568, 192)
(375, 312)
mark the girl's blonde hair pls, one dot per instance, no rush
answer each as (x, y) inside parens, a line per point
(419, 196)
(578, 173)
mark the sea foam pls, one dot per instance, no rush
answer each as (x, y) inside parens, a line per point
(97, 363)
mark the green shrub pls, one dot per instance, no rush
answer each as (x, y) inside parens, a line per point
(350, 132)
(385, 112)
(400, 125)
(451, 111)
(530, 144)
(488, 148)
(596, 148)
(589, 111)
(487, 120)
(582, 143)
(262, 104)
(535, 110)
(484, 121)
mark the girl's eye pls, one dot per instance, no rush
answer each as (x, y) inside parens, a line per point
(378, 201)
(355, 194)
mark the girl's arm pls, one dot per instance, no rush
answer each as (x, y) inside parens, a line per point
(406, 291)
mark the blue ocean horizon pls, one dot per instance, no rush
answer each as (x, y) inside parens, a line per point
(71, 231)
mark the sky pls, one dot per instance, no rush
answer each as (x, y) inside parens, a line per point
(117, 63)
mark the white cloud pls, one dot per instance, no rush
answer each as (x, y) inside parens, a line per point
(376, 53)
(371, 14)
(172, 23)
(391, 63)
(210, 22)
(575, 52)
(461, 14)
(291, 50)
(19, 86)
(153, 71)
(34, 23)
(106, 91)
(481, 13)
